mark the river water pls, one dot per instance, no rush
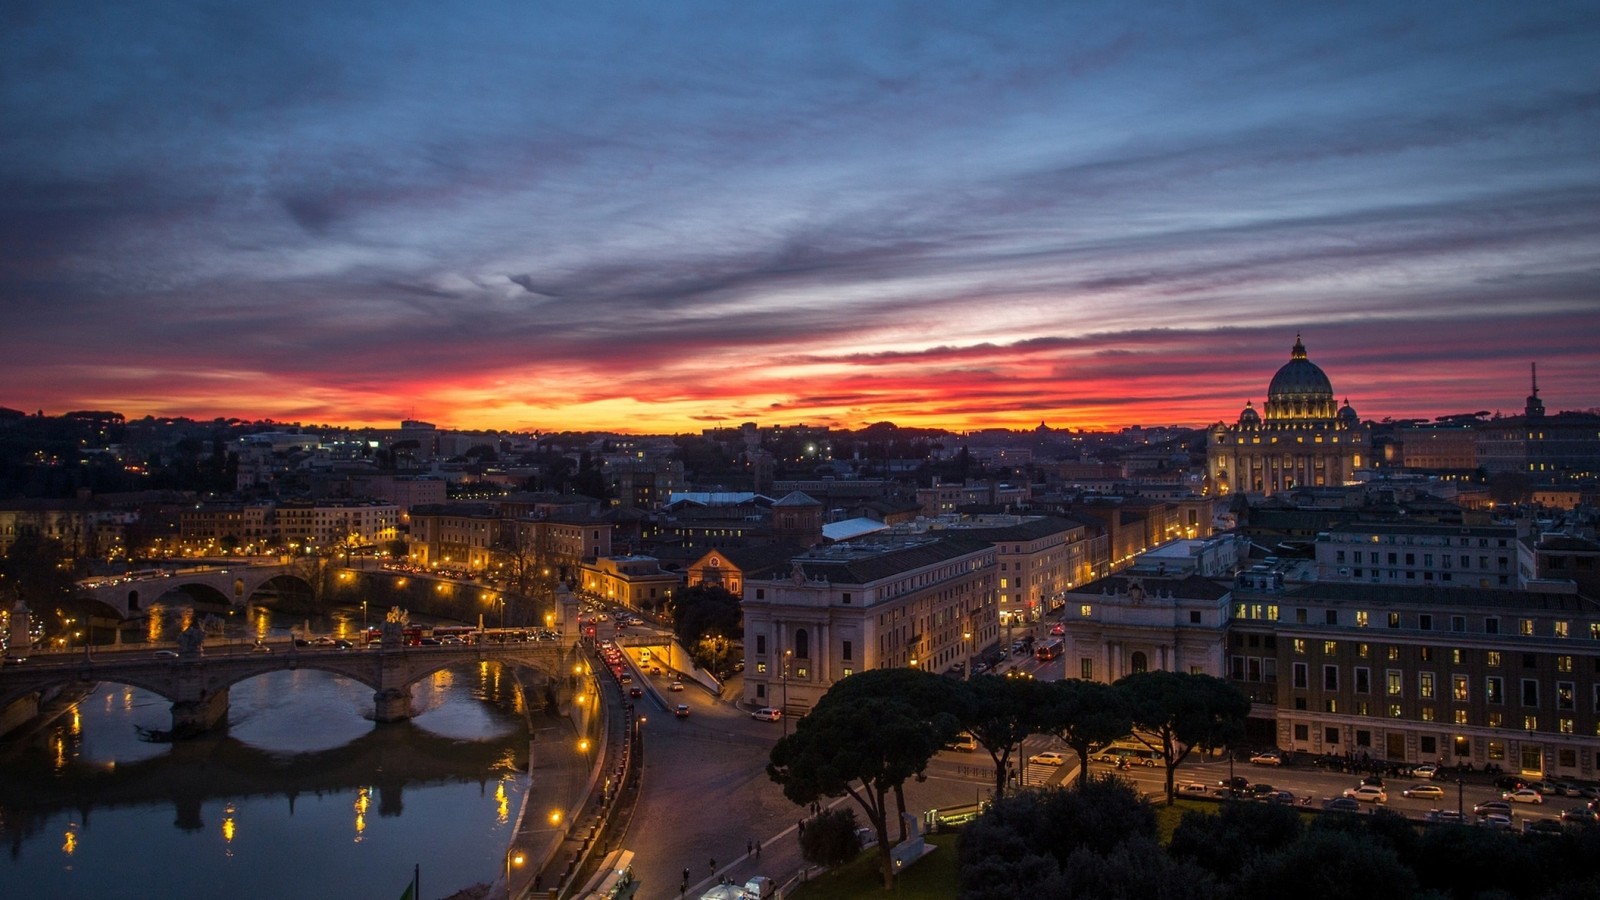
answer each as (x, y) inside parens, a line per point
(301, 795)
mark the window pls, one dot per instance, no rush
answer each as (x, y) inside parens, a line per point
(1427, 715)
(1300, 675)
(1086, 669)
(1492, 659)
(1494, 689)
(1361, 618)
(1561, 629)
(1425, 685)
(1329, 648)
(1425, 654)
(1525, 627)
(1300, 618)
(1428, 744)
(1330, 616)
(1394, 620)
(1461, 717)
(1458, 688)
(800, 672)
(1363, 681)
(1299, 645)
(1393, 654)
(1455, 656)
(1530, 723)
(1566, 696)
(1458, 623)
(1491, 625)
(1497, 719)
(802, 644)
(1330, 678)
(1563, 664)
(848, 671)
(1194, 617)
(1330, 735)
(1394, 711)
(1302, 732)
(1425, 622)
(1362, 650)
(761, 667)
(761, 593)
(1530, 692)
(847, 651)
(1392, 683)
(761, 644)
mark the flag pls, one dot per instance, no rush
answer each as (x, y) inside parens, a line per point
(411, 892)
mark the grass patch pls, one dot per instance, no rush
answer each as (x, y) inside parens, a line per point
(1167, 817)
(934, 877)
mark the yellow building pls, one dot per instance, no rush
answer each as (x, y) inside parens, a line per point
(1299, 439)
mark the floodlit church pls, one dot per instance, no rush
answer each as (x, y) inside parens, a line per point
(1300, 438)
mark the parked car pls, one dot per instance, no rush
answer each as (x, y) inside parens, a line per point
(1526, 795)
(1269, 758)
(1509, 783)
(1237, 783)
(1194, 787)
(1367, 793)
(1058, 629)
(1496, 821)
(1048, 758)
(1444, 817)
(1544, 827)
(1341, 804)
(1424, 792)
(1426, 771)
(767, 714)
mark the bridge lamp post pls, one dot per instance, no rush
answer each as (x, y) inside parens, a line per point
(514, 857)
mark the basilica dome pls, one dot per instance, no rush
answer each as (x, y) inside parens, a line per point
(1300, 380)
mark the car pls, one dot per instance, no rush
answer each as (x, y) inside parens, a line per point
(15, 660)
(166, 654)
(1496, 821)
(343, 645)
(1194, 787)
(675, 686)
(626, 678)
(636, 692)
(1058, 629)
(1444, 817)
(681, 711)
(1582, 815)
(1525, 795)
(1426, 771)
(1261, 789)
(1367, 793)
(1270, 758)
(1048, 758)
(1424, 792)
(260, 648)
(1542, 827)
(1492, 808)
(1286, 798)
(322, 641)
(767, 714)
(1509, 783)
(1341, 804)
(1236, 783)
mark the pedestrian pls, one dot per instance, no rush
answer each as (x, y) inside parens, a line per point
(802, 827)
(713, 865)
(749, 847)
(538, 879)
(685, 874)
(758, 849)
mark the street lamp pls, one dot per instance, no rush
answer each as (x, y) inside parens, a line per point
(514, 857)
(966, 668)
(1461, 805)
(787, 654)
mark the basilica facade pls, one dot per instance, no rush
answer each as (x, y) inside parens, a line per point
(1300, 437)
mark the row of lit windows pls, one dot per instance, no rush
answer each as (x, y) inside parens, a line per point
(1492, 658)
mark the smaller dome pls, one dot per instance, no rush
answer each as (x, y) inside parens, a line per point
(1347, 414)
(1249, 416)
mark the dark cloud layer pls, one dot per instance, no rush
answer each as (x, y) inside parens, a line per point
(650, 216)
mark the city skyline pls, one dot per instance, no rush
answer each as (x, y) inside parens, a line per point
(653, 219)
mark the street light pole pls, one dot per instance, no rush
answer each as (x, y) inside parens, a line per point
(1461, 805)
(785, 712)
(966, 669)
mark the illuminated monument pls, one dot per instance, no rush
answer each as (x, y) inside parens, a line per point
(1301, 438)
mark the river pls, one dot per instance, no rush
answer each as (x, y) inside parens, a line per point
(301, 795)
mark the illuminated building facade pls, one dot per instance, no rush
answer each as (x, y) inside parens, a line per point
(1300, 438)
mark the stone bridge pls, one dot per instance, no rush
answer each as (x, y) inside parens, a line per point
(232, 584)
(198, 684)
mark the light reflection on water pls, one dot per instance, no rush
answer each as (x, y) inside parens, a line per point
(343, 807)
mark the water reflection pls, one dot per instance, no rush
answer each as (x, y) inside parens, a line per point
(330, 799)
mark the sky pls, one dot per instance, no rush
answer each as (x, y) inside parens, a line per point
(662, 217)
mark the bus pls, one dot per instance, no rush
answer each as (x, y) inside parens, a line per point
(1048, 650)
(1135, 751)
